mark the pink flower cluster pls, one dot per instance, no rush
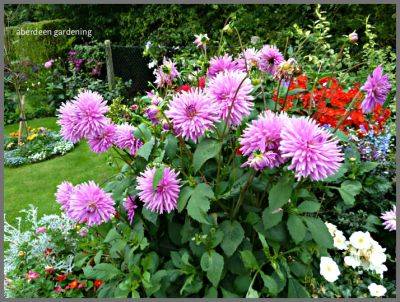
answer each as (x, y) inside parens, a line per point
(273, 139)
(84, 117)
(85, 203)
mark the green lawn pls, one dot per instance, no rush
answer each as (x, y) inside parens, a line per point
(36, 183)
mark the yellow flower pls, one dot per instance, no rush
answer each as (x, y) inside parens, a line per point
(32, 137)
(21, 253)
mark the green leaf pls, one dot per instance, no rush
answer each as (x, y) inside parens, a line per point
(199, 203)
(252, 293)
(145, 150)
(319, 232)
(158, 176)
(296, 290)
(296, 91)
(348, 190)
(280, 193)
(271, 217)
(233, 236)
(213, 264)
(97, 258)
(367, 166)
(249, 260)
(142, 132)
(206, 149)
(149, 215)
(112, 235)
(296, 228)
(171, 145)
(184, 196)
(103, 271)
(339, 173)
(270, 284)
(309, 206)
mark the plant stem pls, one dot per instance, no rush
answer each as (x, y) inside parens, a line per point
(287, 92)
(242, 193)
(277, 94)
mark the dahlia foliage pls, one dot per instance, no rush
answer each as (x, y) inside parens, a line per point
(219, 162)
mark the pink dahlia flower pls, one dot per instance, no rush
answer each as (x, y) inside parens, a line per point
(264, 134)
(376, 88)
(166, 73)
(269, 59)
(90, 110)
(91, 205)
(103, 141)
(83, 117)
(389, 218)
(164, 197)
(312, 149)
(125, 139)
(192, 114)
(130, 206)
(221, 64)
(63, 195)
(232, 93)
(67, 120)
(249, 56)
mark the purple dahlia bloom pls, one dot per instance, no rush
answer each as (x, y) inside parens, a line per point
(192, 114)
(312, 149)
(103, 141)
(130, 206)
(221, 64)
(166, 73)
(125, 139)
(232, 93)
(152, 113)
(389, 218)
(90, 204)
(63, 194)
(164, 197)
(269, 59)
(376, 88)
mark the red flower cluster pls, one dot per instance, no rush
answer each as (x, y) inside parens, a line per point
(327, 104)
(186, 87)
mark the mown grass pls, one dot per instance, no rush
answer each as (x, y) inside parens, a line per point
(36, 183)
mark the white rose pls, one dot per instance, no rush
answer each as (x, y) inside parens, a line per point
(377, 258)
(329, 269)
(360, 240)
(339, 241)
(376, 290)
(352, 261)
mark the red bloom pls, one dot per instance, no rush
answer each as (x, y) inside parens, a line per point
(185, 87)
(47, 251)
(97, 283)
(61, 278)
(202, 82)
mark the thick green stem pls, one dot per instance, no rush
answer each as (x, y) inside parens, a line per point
(242, 194)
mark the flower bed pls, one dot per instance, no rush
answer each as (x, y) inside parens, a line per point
(247, 174)
(41, 144)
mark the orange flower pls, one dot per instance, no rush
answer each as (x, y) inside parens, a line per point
(97, 283)
(72, 285)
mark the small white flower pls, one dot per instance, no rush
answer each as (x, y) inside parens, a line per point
(377, 258)
(339, 241)
(376, 290)
(352, 261)
(361, 240)
(152, 64)
(329, 269)
(254, 39)
(331, 228)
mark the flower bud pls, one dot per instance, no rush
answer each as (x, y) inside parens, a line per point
(353, 37)
(21, 253)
